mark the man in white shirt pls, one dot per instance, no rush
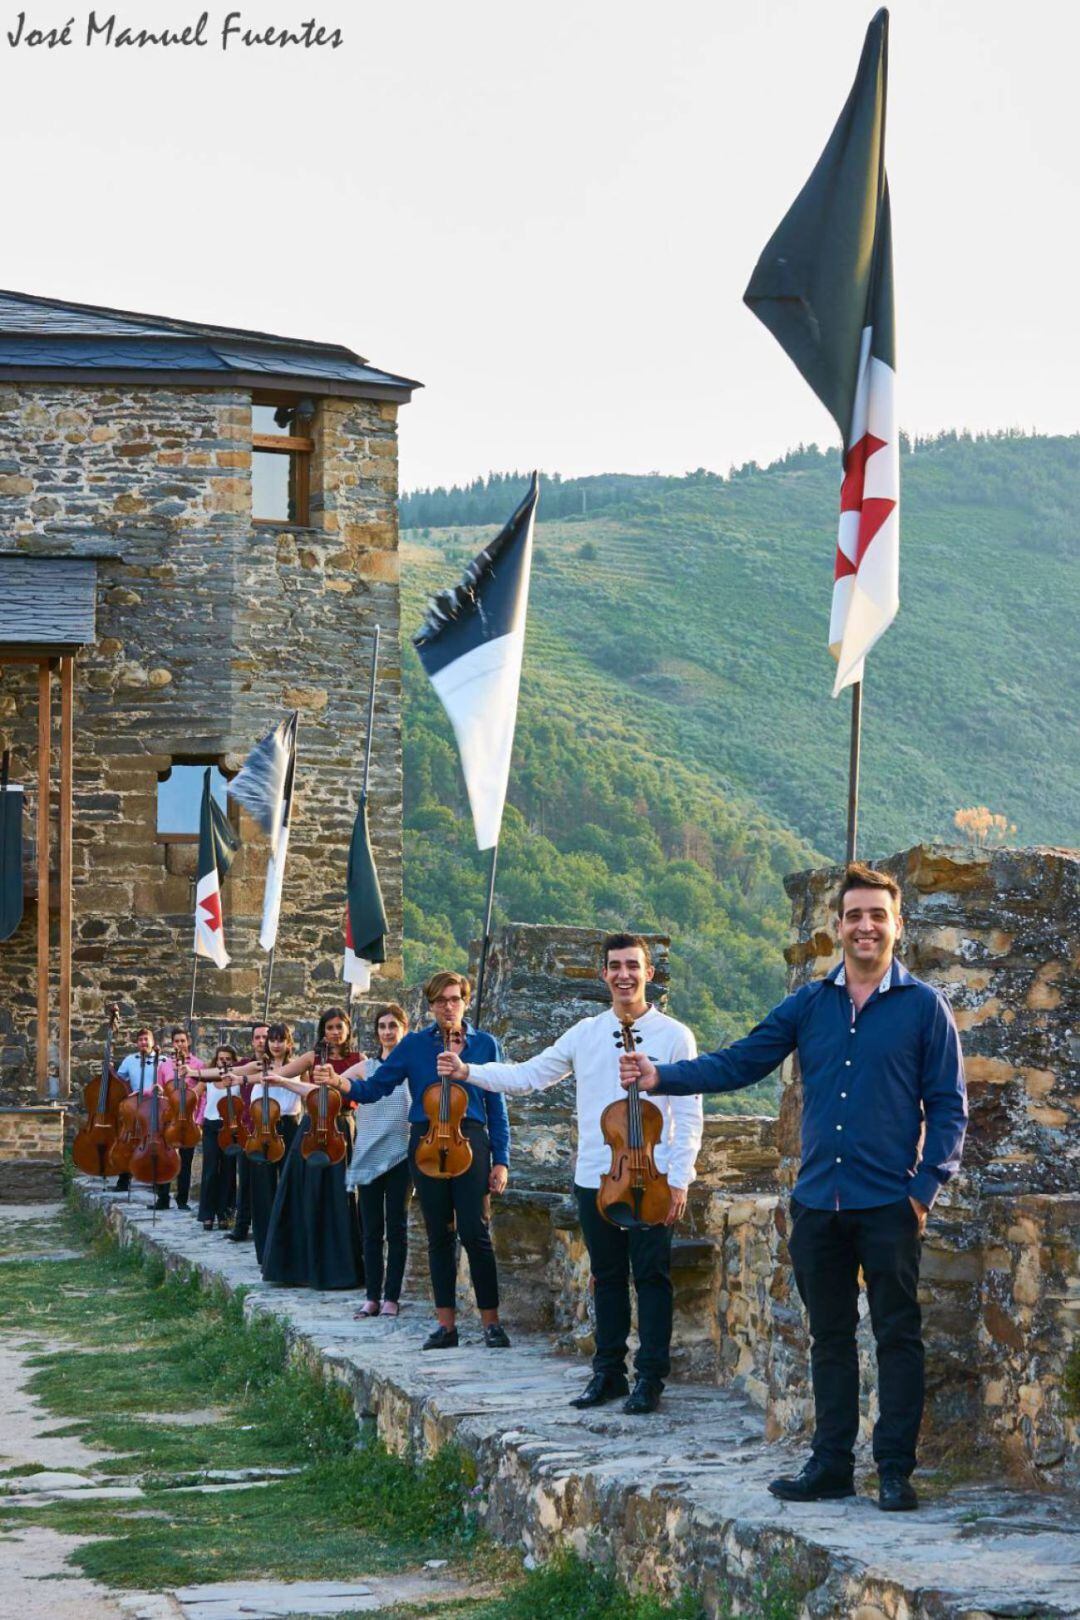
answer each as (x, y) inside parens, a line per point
(590, 1052)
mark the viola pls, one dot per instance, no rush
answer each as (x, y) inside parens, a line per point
(444, 1152)
(182, 1131)
(129, 1125)
(633, 1192)
(266, 1141)
(323, 1107)
(102, 1098)
(233, 1134)
(154, 1160)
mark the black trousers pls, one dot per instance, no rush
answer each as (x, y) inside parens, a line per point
(614, 1255)
(243, 1193)
(828, 1248)
(384, 1216)
(217, 1188)
(263, 1178)
(456, 1208)
(183, 1175)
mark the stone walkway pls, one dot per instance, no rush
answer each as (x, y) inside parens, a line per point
(676, 1496)
(36, 1580)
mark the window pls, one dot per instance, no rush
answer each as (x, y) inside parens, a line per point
(281, 459)
(179, 798)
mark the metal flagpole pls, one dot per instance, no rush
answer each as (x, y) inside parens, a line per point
(853, 770)
(486, 939)
(371, 711)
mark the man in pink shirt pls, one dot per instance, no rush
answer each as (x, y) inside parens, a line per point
(182, 1062)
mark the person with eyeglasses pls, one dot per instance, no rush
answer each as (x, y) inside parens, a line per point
(457, 1206)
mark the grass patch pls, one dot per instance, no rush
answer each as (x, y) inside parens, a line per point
(568, 1588)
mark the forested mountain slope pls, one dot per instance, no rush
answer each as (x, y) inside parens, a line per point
(678, 749)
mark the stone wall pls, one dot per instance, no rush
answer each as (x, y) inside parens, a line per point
(210, 627)
(31, 1153)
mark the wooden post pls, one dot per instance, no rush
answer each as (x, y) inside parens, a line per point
(67, 708)
(44, 748)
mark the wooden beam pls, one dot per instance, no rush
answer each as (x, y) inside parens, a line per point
(44, 748)
(67, 749)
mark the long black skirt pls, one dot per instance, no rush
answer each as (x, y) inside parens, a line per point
(311, 1237)
(263, 1180)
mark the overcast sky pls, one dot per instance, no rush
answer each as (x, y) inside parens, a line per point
(548, 213)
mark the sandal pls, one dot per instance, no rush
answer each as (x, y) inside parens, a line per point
(390, 1307)
(370, 1307)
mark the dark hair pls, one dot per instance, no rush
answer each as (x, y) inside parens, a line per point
(324, 1019)
(392, 1010)
(144, 1029)
(260, 1023)
(441, 981)
(859, 876)
(232, 1053)
(278, 1032)
(625, 942)
(179, 1030)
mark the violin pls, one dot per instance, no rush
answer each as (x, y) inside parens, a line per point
(444, 1152)
(323, 1107)
(233, 1134)
(182, 1131)
(102, 1098)
(633, 1192)
(154, 1160)
(129, 1125)
(266, 1141)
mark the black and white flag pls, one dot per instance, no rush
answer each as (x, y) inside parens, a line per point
(471, 645)
(264, 786)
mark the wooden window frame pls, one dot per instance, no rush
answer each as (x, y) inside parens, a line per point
(300, 451)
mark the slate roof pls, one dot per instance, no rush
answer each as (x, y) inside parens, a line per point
(49, 340)
(47, 602)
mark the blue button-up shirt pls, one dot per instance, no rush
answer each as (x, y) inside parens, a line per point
(413, 1059)
(871, 1083)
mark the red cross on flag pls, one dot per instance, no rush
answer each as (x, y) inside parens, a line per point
(217, 846)
(824, 288)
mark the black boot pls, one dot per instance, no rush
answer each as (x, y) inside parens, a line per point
(644, 1397)
(601, 1387)
(441, 1339)
(896, 1493)
(238, 1234)
(816, 1483)
(162, 1199)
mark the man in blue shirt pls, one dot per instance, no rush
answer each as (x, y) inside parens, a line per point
(883, 1123)
(457, 1205)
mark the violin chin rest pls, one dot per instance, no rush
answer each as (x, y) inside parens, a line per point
(318, 1157)
(622, 1215)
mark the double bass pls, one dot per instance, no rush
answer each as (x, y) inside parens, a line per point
(154, 1161)
(323, 1107)
(129, 1124)
(633, 1192)
(266, 1141)
(445, 1151)
(102, 1098)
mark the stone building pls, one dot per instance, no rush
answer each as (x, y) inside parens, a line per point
(198, 533)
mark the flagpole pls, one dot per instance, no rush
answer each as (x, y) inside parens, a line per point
(273, 948)
(371, 712)
(853, 770)
(487, 936)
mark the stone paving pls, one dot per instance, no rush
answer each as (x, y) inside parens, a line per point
(677, 1496)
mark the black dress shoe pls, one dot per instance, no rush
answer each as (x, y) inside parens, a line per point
(896, 1493)
(644, 1397)
(162, 1202)
(602, 1387)
(441, 1339)
(179, 1205)
(238, 1236)
(495, 1336)
(816, 1483)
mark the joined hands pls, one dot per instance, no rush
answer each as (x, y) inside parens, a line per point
(636, 1066)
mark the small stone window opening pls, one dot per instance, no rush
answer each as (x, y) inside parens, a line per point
(179, 799)
(281, 446)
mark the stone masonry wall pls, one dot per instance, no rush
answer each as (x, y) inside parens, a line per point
(210, 627)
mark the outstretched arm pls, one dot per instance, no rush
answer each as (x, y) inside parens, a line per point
(741, 1064)
(547, 1068)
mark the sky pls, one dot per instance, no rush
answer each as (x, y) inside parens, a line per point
(548, 214)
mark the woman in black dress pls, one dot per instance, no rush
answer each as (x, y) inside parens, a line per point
(312, 1238)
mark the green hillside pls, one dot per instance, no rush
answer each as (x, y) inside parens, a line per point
(678, 749)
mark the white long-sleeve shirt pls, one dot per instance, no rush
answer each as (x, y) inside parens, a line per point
(590, 1052)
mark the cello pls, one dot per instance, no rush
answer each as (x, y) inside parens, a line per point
(266, 1141)
(444, 1152)
(128, 1129)
(102, 1097)
(633, 1192)
(154, 1160)
(323, 1107)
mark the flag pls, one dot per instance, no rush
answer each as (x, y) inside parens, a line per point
(471, 645)
(824, 288)
(217, 846)
(260, 783)
(365, 915)
(279, 834)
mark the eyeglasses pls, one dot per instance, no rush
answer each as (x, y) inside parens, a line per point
(448, 1001)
